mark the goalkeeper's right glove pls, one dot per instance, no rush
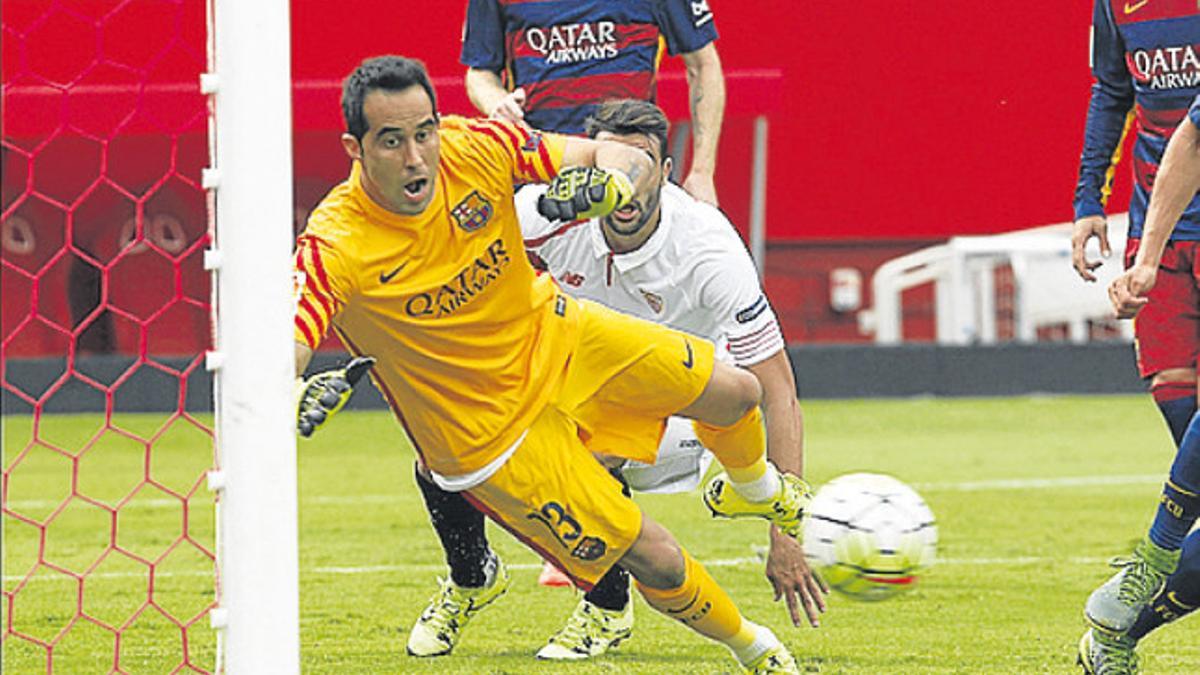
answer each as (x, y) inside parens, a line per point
(580, 193)
(320, 395)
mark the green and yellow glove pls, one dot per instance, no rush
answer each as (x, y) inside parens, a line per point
(580, 193)
(322, 394)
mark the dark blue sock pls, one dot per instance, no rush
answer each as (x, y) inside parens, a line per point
(1180, 595)
(1180, 502)
(1177, 405)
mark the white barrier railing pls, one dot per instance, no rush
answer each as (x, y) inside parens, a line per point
(1046, 289)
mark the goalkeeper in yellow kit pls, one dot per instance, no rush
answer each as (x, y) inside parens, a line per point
(505, 385)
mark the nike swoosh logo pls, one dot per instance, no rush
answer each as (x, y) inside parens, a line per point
(1130, 9)
(1175, 599)
(386, 277)
(691, 361)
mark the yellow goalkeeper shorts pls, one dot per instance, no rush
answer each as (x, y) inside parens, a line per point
(555, 497)
(626, 377)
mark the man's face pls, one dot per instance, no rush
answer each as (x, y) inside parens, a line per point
(399, 152)
(643, 208)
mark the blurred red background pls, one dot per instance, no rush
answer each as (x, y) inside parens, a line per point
(894, 125)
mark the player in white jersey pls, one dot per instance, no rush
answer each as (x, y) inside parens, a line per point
(670, 259)
(689, 271)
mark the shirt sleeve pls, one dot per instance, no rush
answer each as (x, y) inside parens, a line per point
(1109, 114)
(483, 36)
(1194, 112)
(320, 289)
(531, 156)
(730, 290)
(534, 227)
(687, 25)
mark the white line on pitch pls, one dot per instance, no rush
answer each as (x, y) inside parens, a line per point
(437, 567)
(1043, 483)
(969, 486)
(722, 562)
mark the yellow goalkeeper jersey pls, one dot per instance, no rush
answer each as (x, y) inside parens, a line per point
(471, 342)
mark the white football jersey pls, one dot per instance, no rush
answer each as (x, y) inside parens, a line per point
(693, 274)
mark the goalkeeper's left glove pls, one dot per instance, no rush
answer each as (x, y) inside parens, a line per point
(580, 193)
(320, 395)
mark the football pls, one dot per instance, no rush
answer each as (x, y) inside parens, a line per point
(869, 536)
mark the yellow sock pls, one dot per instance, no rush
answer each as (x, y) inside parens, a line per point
(748, 474)
(740, 448)
(703, 606)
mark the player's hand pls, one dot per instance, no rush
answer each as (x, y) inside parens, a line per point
(793, 580)
(1127, 293)
(701, 186)
(320, 395)
(511, 107)
(1086, 228)
(580, 193)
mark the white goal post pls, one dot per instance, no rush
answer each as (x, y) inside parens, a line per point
(250, 183)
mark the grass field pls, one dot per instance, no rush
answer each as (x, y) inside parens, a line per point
(1032, 495)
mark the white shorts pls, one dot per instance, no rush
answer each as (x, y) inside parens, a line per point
(681, 464)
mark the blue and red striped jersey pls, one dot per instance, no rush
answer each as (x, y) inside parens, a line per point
(1146, 61)
(571, 55)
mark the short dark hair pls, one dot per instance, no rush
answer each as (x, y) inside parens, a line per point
(390, 73)
(630, 116)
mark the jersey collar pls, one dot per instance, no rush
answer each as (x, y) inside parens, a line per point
(637, 257)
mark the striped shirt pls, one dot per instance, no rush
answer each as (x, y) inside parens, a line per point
(1146, 61)
(570, 55)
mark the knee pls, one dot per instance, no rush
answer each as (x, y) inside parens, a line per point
(655, 559)
(665, 572)
(745, 392)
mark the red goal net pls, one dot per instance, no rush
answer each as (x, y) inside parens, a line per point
(108, 526)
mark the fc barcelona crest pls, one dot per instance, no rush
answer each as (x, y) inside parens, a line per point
(473, 212)
(589, 548)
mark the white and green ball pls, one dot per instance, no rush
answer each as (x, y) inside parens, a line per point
(869, 535)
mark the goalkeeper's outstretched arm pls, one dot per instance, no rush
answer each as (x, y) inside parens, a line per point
(322, 394)
(597, 178)
(635, 163)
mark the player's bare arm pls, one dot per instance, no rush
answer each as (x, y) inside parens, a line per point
(787, 569)
(1176, 185)
(597, 178)
(636, 164)
(488, 95)
(706, 99)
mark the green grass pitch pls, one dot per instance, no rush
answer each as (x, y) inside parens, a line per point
(1032, 495)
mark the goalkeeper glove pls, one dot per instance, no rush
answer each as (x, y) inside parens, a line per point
(580, 193)
(320, 395)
